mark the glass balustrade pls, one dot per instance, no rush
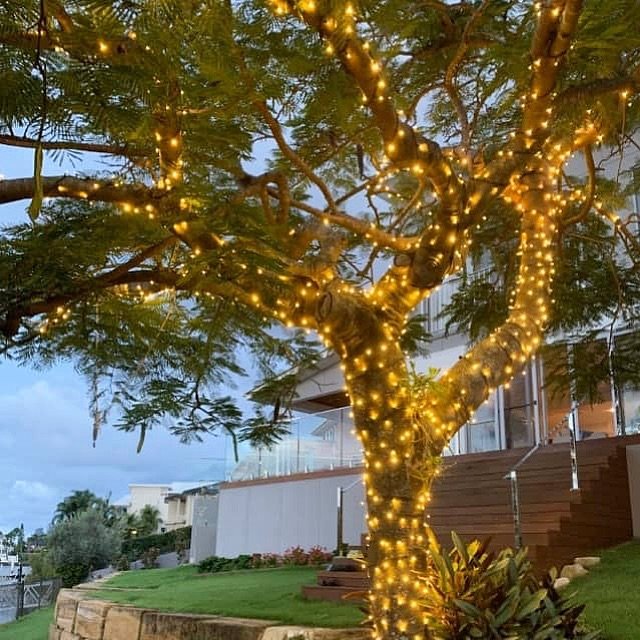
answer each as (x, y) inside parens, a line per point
(315, 442)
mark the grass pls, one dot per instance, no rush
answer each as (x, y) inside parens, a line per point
(611, 592)
(269, 594)
(34, 626)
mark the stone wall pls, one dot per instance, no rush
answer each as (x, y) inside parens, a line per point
(78, 617)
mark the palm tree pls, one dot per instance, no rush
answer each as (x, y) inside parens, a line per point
(74, 504)
(149, 520)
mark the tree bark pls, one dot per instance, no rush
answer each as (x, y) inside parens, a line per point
(379, 389)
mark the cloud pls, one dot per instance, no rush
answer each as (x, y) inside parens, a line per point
(31, 489)
(46, 450)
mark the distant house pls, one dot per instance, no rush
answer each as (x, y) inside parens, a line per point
(181, 503)
(173, 500)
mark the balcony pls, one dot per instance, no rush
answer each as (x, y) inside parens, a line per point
(315, 442)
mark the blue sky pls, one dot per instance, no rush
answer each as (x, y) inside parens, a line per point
(45, 427)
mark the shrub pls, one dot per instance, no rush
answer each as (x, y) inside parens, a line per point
(164, 542)
(215, 564)
(470, 593)
(81, 544)
(122, 563)
(265, 560)
(182, 544)
(271, 560)
(256, 561)
(42, 566)
(73, 574)
(150, 557)
(319, 555)
(292, 556)
(295, 555)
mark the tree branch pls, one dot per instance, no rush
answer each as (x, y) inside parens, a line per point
(79, 188)
(629, 84)
(452, 70)
(90, 147)
(591, 190)
(291, 155)
(405, 148)
(365, 230)
(494, 360)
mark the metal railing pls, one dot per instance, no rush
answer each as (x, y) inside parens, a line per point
(512, 475)
(19, 598)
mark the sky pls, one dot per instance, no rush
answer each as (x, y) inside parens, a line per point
(45, 427)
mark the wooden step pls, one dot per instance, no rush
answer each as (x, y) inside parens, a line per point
(353, 579)
(472, 497)
(335, 594)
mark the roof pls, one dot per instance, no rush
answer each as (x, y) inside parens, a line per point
(190, 488)
(122, 501)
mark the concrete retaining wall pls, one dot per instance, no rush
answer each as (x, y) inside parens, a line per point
(80, 618)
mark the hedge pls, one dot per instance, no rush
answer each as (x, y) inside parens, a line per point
(164, 542)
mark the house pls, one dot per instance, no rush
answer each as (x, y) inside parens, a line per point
(290, 495)
(141, 495)
(181, 500)
(174, 501)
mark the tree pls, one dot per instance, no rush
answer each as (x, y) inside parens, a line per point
(323, 166)
(73, 505)
(148, 520)
(37, 540)
(14, 539)
(80, 544)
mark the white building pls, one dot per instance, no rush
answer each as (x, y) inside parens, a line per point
(288, 496)
(172, 500)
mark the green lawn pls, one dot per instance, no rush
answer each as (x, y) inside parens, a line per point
(611, 592)
(35, 626)
(270, 594)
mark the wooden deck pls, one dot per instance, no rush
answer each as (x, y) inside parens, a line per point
(472, 497)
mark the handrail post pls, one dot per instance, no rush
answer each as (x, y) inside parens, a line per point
(19, 593)
(575, 483)
(515, 507)
(340, 521)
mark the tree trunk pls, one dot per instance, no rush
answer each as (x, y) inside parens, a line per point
(378, 385)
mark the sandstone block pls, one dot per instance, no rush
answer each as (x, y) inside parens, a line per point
(572, 571)
(122, 623)
(67, 635)
(314, 633)
(66, 606)
(561, 583)
(54, 632)
(588, 562)
(171, 626)
(221, 628)
(90, 617)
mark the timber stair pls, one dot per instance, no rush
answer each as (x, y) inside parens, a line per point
(472, 497)
(337, 585)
